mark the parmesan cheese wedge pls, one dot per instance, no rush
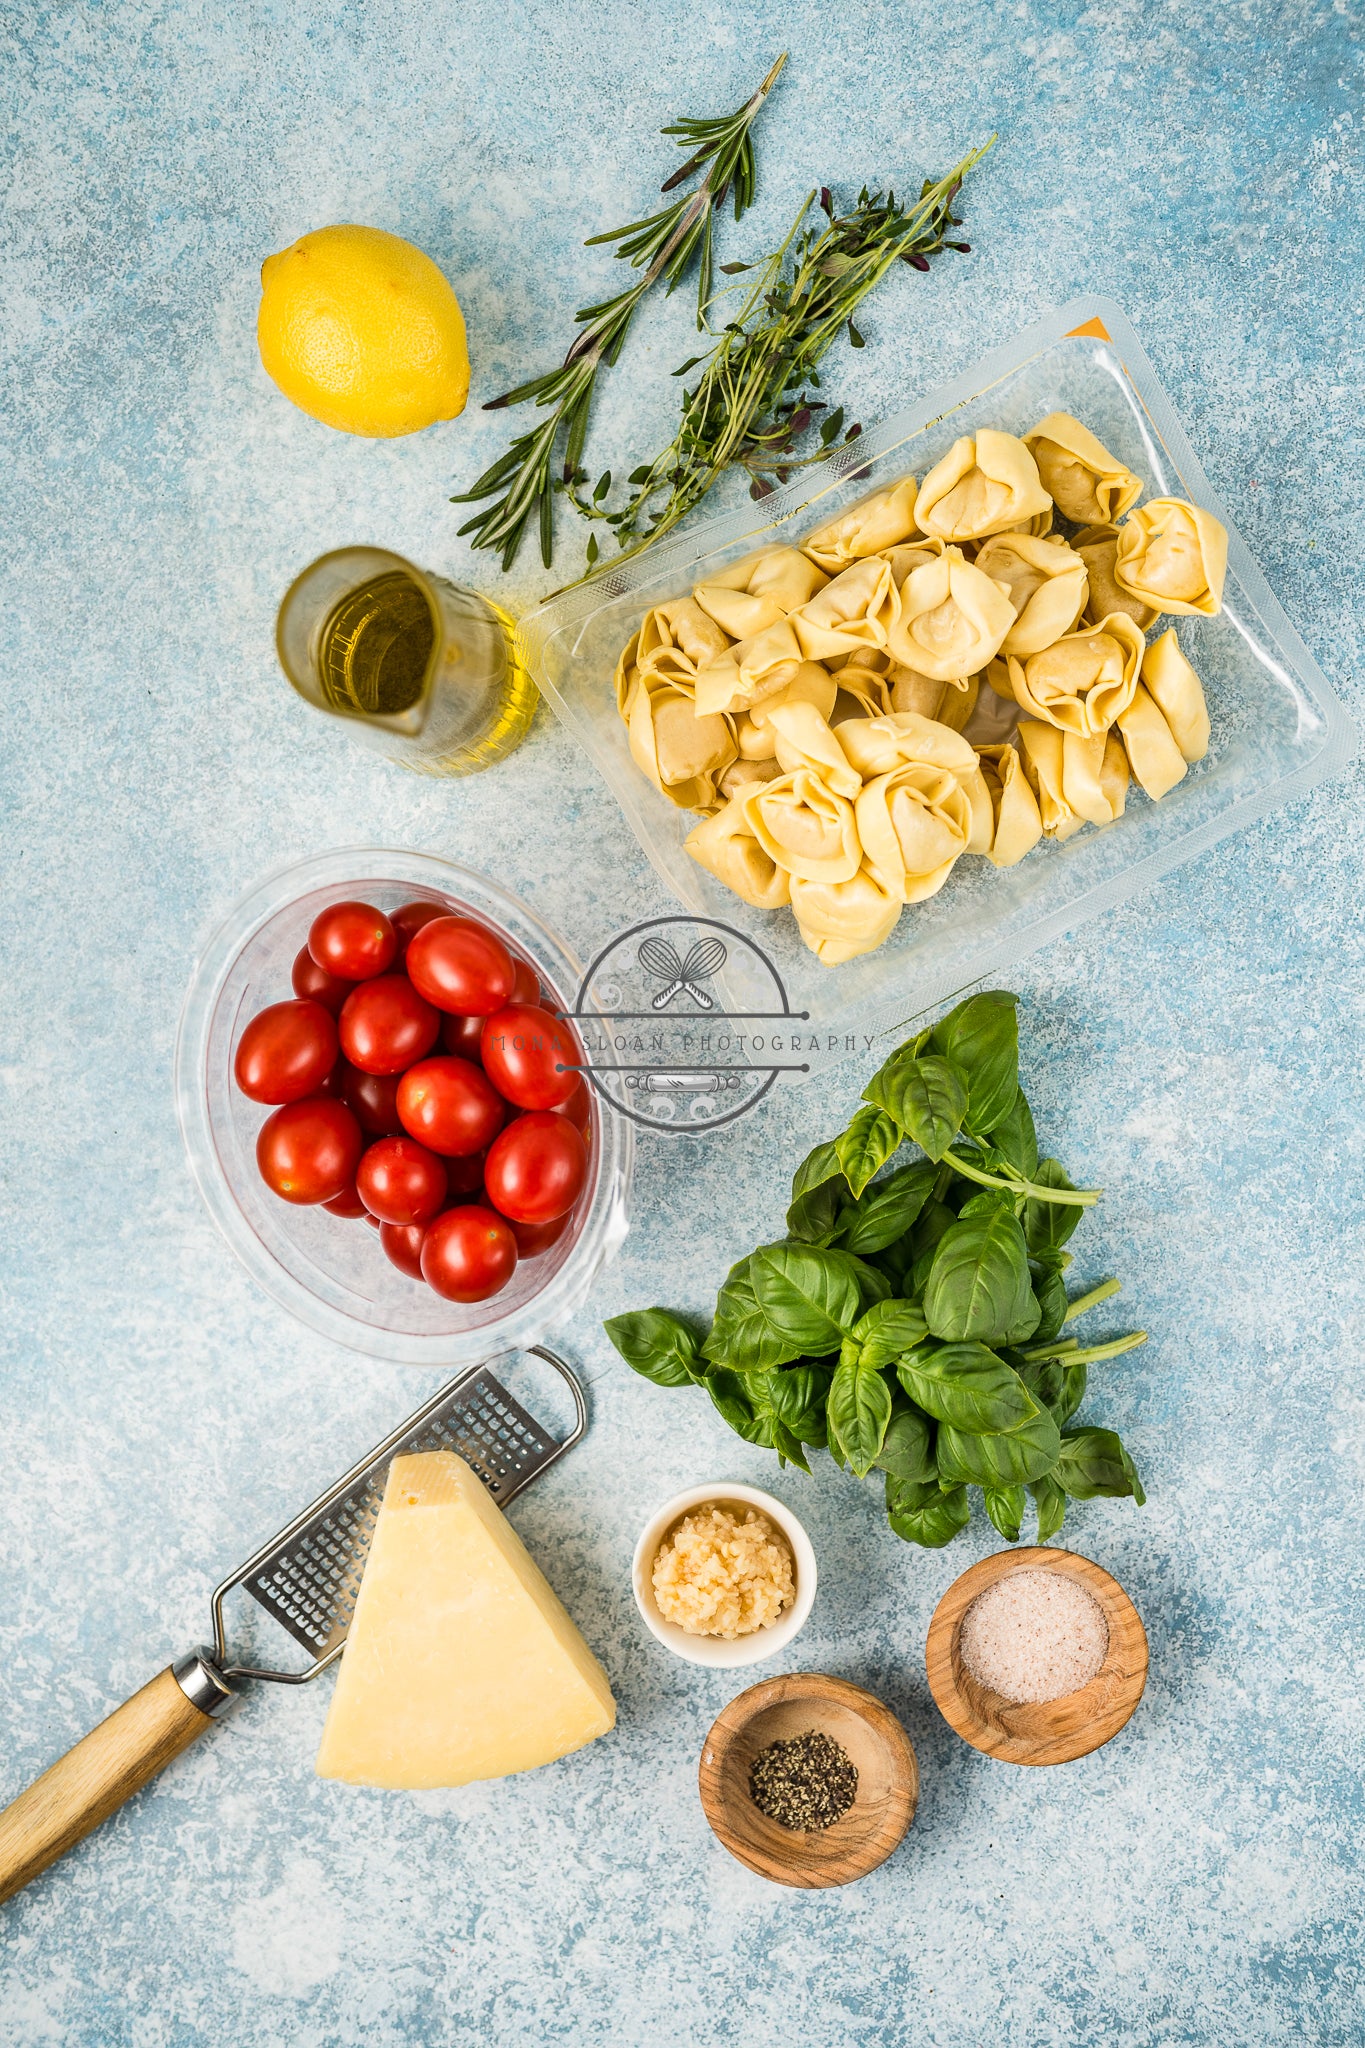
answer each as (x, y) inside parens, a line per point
(460, 1662)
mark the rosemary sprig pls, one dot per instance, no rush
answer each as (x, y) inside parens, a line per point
(751, 403)
(662, 247)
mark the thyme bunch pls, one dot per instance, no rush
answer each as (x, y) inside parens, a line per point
(662, 246)
(752, 403)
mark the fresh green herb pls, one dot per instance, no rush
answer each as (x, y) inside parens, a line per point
(752, 404)
(521, 482)
(912, 1321)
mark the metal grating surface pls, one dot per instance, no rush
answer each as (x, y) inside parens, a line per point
(310, 1584)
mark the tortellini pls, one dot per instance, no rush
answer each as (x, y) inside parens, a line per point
(986, 482)
(933, 676)
(1173, 556)
(867, 529)
(1085, 482)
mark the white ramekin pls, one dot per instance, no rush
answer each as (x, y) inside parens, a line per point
(716, 1650)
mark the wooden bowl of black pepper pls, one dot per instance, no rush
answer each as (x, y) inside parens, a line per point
(808, 1747)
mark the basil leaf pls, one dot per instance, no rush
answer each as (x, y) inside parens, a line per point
(816, 1216)
(1050, 1289)
(888, 1208)
(741, 1336)
(1051, 1504)
(1014, 1137)
(896, 1263)
(978, 1284)
(927, 1514)
(658, 1345)
(985, 1201)
(927, 1098)
(1006, 1458)
(859, 1409)
(1093, 1463)
(731, 1397)
(797, 1397)
(787, 1446)
(966, 1386)
(870, 1281)
(1048, 1225)
(866, 1146)
(886, 1330)
(907, 1451)
(1072, 1392)
(1005, 1505)
(815, 1169)
(808, 1295)
(1043, 1378)
(981, 1037)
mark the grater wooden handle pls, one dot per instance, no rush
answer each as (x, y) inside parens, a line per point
(95, 1778)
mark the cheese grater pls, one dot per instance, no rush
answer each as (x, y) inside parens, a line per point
(307, 1578)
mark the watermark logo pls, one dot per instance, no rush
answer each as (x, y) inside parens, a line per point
(686, 1024)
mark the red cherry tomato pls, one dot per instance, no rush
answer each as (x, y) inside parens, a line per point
(347, 1203)
(373, 1098)
(316, 984)
(309, 1151)
(408, 920)
(403, 1243)
(578, 1108)
(525, 983)
(399, 1181)
(461, 966)
(286, 1052)
(461, 1036)
(529, 1056)
(465, 1176)
(352, 940)
(535, 1238)
(468, 1254)
(451, 1106)
(386, 1025)
(535, 1171)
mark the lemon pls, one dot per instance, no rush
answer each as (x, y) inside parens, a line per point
(363, 332)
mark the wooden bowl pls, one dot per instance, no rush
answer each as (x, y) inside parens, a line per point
(877, 1746)
(1057, 1730)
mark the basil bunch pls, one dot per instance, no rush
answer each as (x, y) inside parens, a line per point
(912, 1319)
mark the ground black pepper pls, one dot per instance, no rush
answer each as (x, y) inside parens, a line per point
(805, 1783)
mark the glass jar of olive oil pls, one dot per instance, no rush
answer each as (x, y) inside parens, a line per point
(425, 671)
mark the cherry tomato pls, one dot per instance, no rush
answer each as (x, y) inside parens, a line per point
(461, 1036)
(535, 1238)
(535, 1171)
(578, 1108)
(352, 940)
(468, 1254)
(529, 1056)
(451, 1106)
(347, 1203)
(408, 920)
(525, 983)
(317, 984)
(403, 1243)
(400, 1181)
(461, 966)
(286, 1052)
(373, 1098)
(386, 1025)
(465, 1176)
(309, 1151)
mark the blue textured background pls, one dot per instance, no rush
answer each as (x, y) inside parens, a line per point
(1197, 1052)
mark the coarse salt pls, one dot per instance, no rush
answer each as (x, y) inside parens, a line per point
(1034, 1636)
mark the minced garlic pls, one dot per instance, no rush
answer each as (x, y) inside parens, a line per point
(715, 1575)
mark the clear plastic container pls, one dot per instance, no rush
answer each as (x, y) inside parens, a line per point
(1277, 726)
(333, 1273)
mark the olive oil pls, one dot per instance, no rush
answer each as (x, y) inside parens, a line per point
(419, 668)
(375, 647)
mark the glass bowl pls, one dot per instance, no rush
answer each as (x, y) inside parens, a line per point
(1278, 728)
(333, 1273)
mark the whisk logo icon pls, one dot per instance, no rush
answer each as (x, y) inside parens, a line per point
(685, 1024)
